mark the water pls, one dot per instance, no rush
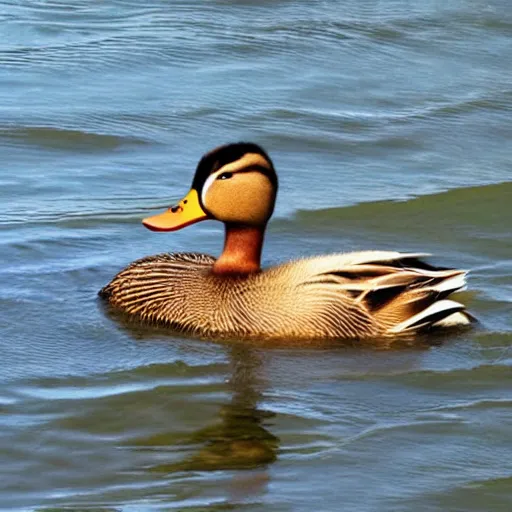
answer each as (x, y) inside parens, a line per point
(389, 124)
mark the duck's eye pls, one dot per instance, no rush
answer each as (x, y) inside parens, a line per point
(225, 176)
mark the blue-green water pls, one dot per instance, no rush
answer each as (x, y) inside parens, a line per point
(389, 123)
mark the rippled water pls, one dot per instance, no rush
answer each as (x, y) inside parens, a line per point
(390, 125)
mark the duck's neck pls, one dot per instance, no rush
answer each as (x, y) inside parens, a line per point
(242, 250)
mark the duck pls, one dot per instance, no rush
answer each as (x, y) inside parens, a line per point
(341, 296)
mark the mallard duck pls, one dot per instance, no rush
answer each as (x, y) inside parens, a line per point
(358, 295)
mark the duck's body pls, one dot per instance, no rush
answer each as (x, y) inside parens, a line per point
(340, 296)
(371, 294)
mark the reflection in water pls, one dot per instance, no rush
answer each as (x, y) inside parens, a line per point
(238, 440)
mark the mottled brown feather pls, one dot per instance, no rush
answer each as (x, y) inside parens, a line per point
(340, 296)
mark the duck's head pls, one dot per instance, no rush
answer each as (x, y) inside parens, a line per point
(235, 184)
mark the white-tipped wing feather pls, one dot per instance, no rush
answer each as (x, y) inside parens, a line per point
(400, 292)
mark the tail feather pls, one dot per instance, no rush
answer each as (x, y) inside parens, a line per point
(405, 295)
(456, 319)
(434, 314)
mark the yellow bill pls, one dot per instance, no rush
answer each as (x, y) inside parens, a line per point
(188, 211)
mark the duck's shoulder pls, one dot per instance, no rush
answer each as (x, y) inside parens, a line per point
(165, 267)
(173, 258)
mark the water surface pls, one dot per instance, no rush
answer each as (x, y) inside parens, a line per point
(389, 124)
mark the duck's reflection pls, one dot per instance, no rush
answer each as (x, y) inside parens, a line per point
(239, 438)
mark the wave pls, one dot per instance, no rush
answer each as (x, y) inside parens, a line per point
(457, 209)
(81, 218)
(64, 139)
(482, 206)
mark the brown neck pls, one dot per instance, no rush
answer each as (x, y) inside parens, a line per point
(242, 250)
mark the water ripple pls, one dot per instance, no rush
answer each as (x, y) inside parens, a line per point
(62, 139)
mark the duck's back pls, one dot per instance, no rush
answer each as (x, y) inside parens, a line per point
(354, 295)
